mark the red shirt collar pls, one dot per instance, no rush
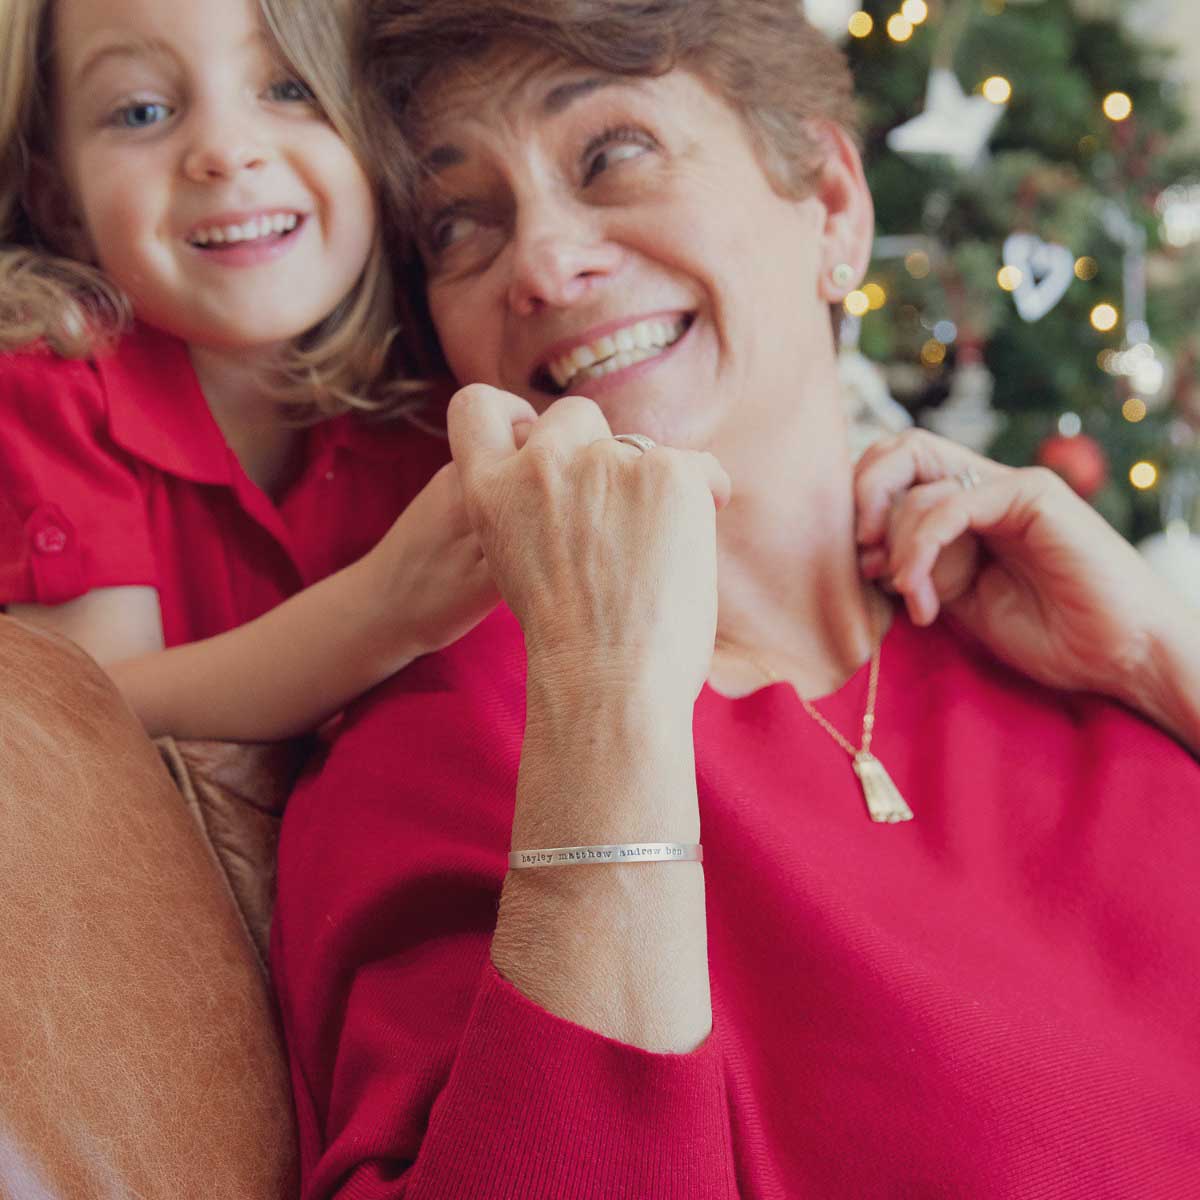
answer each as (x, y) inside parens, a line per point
(156, 409)
(157, 412)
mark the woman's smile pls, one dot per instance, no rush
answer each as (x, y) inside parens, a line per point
(609, 352)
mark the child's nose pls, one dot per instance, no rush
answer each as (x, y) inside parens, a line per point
(222, 149)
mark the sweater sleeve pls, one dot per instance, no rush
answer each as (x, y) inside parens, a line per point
(72, 512)
(419, 1071)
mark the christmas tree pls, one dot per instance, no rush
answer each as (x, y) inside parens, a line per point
(1035, 291)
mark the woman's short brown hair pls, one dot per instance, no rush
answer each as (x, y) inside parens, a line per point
(775, 69)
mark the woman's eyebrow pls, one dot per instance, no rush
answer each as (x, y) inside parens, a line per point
(565, 94)
(445, 155)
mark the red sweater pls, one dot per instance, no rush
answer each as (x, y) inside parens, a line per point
(998, 999)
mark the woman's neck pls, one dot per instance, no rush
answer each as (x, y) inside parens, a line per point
(268, 450)
(790, 591)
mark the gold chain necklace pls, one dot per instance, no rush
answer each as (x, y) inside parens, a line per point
(884, 802)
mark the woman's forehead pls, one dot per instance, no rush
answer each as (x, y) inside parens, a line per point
(510, 81)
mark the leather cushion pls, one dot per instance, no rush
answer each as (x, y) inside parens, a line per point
(138, 1051)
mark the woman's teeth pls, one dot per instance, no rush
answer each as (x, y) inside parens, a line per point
(257, 227)
(614, 352)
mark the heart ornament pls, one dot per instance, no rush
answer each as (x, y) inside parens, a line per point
(1046, 271)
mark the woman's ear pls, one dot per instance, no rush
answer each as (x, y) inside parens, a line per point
(848, 233)
(51, 209)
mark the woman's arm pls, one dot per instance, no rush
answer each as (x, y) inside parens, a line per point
(420, 1070)
(424, 585)
(608, 761)
(607, 556)
(560, 1048)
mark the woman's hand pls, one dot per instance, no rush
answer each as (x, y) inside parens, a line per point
(1018, 558)
(606, 555)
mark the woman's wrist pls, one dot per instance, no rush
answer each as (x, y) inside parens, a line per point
(607, 757)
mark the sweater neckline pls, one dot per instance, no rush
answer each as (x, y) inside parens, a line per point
(850, 690)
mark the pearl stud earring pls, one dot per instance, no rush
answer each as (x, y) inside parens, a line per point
(843, 275)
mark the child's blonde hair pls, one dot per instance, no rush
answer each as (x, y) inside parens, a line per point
(344, 362)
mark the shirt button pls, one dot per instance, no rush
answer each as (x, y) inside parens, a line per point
(50, 540)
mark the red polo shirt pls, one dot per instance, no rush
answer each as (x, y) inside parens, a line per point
(113, 472)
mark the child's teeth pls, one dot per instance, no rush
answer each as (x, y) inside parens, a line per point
(256, 227)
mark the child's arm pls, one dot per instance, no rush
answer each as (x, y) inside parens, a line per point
(422, 587)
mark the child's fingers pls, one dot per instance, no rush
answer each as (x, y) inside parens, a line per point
(481, 422)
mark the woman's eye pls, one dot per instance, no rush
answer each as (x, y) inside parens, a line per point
(291, 91)
(141, 115)
(613, 147)
(450, 230)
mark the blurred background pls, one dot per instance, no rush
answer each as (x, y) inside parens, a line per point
(1035, 291)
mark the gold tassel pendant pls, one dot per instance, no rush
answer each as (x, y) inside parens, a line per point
(884, 801)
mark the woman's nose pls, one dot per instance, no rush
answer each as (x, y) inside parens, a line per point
(556, 261)
(222, 147)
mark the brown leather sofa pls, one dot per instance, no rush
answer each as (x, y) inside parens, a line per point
(139, 1049)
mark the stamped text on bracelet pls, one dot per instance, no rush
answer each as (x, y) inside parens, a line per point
(623, 852)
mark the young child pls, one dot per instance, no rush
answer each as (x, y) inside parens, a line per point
(191, 261)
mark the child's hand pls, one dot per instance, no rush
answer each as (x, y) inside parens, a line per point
(432, 575)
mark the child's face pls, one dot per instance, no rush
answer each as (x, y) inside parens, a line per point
(208, 186)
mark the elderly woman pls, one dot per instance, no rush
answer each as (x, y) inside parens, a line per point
(941, 939)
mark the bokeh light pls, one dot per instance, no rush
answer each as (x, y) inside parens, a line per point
(1009, 278)
(1134, 410)
(1117, 106)
(876, 296)
(1105, 317)
(1086, 268)
(933, 353)
(918, 265)
(997, 89)
(899, 28)
(861, 24)
(857, 304)
(1143, 475)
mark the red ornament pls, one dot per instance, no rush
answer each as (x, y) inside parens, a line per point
(1079, 460)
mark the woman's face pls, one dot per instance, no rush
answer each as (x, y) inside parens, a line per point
(617, 238)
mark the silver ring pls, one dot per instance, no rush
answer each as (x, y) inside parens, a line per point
(968, 479)
(639, 441)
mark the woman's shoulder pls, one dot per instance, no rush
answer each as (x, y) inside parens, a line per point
(955, 685)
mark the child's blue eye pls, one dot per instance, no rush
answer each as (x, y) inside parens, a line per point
(141, 115)
(291, 91)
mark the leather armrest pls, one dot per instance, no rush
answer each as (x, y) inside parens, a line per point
(139, 1055)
